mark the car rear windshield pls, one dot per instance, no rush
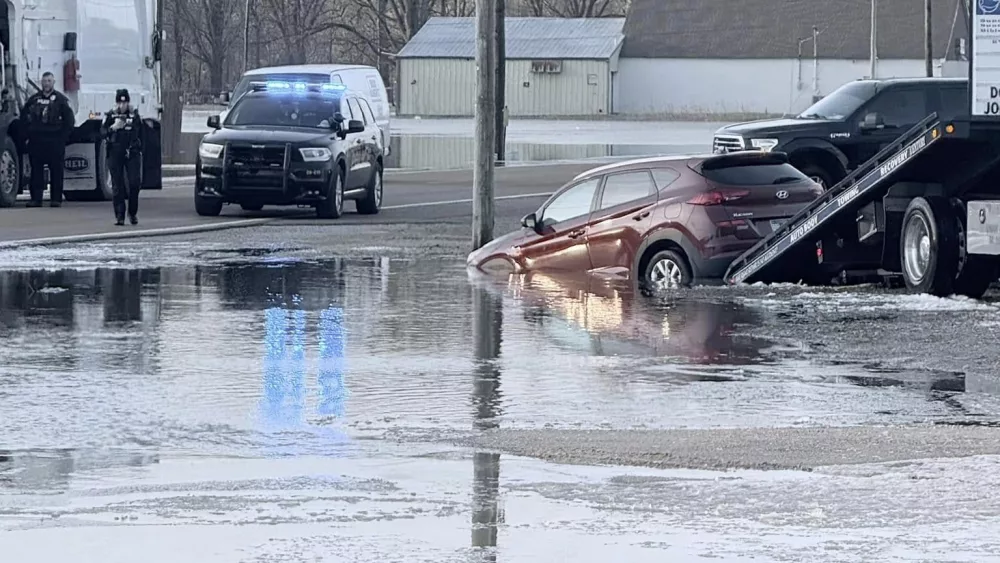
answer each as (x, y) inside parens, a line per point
(309, 78)
(262, 109)
(755, 175)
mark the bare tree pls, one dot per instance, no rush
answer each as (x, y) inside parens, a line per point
(575, 8)
(212, 31)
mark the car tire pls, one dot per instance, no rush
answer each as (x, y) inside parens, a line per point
(666, 270)
(251, 206)
(928, 246)
(333, 206)
(371, 204)
(10, 173)
(818, 174)
(207, 206)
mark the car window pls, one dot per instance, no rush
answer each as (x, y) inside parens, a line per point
(663, 177)
(356, 110)
(954, 102)
(572, 203)
(367, 110)
(900, 107)
(755, 175)
(842, 102)
(345, 109)
(626, 187)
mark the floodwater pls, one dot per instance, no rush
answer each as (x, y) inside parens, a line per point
(443, 144)
(269, 405)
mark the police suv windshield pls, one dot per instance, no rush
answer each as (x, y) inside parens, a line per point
(842, 102)
(267, 109)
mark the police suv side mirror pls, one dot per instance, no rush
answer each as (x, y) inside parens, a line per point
(213, 122)
(355, 126)
(872, 122)
(224, 98)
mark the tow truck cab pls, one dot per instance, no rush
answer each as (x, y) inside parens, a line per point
(846, 128)
(93, 47)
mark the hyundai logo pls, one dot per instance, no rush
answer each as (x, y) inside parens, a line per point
(75, 164)
(782, 194)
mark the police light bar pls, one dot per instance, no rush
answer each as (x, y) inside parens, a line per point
(296, 87)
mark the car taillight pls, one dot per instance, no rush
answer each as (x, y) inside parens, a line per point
(718, 197)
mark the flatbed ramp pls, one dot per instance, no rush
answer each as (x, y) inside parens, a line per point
(869, 181)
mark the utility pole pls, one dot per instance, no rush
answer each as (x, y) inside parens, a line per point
(928, 42)
(874, 39)
(482, 177)
(501, 85)
(246, 37)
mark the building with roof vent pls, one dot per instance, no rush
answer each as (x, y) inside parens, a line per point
(725, 57)
(555, 67)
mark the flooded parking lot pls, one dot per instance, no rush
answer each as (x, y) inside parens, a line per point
(240, 398)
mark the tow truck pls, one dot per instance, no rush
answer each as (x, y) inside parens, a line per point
(924, 210)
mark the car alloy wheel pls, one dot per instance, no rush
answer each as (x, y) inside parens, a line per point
(666, 274)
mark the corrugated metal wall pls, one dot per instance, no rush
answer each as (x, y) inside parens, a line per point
(447, 88)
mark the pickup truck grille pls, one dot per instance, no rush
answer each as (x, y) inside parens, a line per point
(727, 143)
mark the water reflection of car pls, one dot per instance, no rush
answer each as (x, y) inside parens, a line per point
(663, 222)
(609, 319)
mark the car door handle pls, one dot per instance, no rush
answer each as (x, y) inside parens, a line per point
(576, 234)
(641, 216)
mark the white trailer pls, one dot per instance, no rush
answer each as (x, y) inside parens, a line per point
(93, 47)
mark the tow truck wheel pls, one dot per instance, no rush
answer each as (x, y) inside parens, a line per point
(10, 178)
(371, 204)
(333, 206)
(928, 246)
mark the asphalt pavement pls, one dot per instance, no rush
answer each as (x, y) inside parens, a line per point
(410, 196)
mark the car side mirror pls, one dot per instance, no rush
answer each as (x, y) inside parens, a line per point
(224, 98)
(530, 221)
(214, 122)
(872, 122)
(355, 126)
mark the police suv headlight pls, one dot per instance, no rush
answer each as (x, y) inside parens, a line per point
(315, 154)
(209, 150)
(765, 145)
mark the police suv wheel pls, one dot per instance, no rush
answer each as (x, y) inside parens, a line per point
(206, 206)
(333, 206)
(371, 204)
(10, 178)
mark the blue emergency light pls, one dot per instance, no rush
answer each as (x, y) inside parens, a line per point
(297, 87)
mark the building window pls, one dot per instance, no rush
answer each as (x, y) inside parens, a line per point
(546, 67)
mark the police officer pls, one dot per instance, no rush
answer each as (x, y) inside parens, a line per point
(122, 129)
(48, 123)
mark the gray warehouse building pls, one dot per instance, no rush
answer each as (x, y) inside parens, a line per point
(555, 67)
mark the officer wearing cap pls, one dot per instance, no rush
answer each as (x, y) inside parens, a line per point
(122, 129)
(48, 122)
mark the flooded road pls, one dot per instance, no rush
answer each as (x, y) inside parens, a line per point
(274, 402)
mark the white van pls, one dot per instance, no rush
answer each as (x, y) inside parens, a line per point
(360, 79)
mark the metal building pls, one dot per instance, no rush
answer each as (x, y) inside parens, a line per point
(555, 67)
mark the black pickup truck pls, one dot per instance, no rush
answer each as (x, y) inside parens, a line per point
(849, 126)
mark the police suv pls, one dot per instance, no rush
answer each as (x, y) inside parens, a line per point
(292, 143)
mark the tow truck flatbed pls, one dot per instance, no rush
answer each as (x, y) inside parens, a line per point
(926, 179)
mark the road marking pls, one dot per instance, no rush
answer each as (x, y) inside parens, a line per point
(457, 201)
(218, 226)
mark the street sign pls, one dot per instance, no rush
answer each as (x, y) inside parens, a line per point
(985, 72)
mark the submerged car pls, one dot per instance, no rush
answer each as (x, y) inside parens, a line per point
(663, 222)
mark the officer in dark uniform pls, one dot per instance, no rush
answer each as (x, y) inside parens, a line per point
(122, 129)
(48, 122)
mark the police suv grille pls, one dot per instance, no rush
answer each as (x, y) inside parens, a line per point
(727, 143)
(256, 157)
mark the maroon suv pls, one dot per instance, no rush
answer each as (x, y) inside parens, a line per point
(665, 221)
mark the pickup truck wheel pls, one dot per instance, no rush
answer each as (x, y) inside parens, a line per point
(10, 178)
(818, 174)
(929, 247)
